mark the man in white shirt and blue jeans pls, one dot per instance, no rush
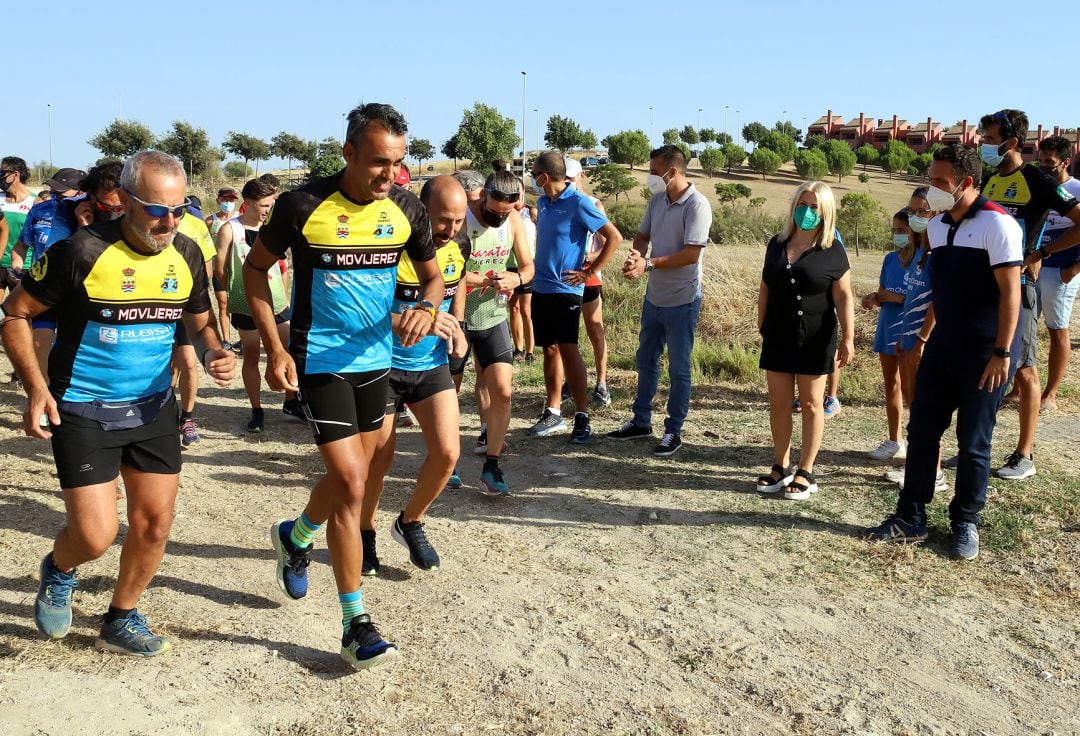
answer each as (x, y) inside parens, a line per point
(676, 225)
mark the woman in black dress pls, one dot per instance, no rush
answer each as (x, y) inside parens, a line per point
(805, 292)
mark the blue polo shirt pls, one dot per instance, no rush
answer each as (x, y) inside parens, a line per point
(562, 237)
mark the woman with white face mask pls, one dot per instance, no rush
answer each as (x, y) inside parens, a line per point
(889, 300)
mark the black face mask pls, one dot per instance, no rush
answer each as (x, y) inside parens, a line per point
(4, 186)
(491, 219)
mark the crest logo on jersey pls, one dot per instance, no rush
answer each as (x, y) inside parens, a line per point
(127, 281)
(109, 335)
(384, 230)
(106, 313)
(450, 270)
(343, 227)
(41, 265)
(1010, 193)
(171, 284)
(327, 258)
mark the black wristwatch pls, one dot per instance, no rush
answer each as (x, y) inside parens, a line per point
(1001, 353)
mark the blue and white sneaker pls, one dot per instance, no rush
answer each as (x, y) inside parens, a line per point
(131, 635)
(831, 406)
(455, 481)
(363, 647)
(52, 608)
(895, 529)
(965, 541)
(292, 563)
(582, 433)
(492, 482)
(548, 424)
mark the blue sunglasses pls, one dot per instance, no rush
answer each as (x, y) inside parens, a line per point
(158, 211)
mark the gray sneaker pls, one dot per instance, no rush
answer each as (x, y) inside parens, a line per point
(1016, 467)
(549, 423)
(601, 396)
(132, 635)
(965, 541)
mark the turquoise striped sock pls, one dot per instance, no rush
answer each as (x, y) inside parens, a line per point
(303, 531)
(352, 605)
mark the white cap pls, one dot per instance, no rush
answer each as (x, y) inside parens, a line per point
(573, 168)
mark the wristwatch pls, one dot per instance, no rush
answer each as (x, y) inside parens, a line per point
(426, 306)
(648, 265)
(1001, 353)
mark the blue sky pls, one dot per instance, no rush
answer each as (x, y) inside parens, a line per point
(275, 68)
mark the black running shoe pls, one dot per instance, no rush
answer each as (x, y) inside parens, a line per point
(668, 445)
(293, 409)
(363, 647)
(582, 433)
(370, 568)
(630, 431)
(412, 536)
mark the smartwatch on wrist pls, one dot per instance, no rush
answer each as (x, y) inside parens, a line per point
(426, 306)
(648, 265)
(1001, 353)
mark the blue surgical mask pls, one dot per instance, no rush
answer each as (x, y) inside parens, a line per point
(806, 218)
(918, 224)
(901, 240)
(991, 154)
(228, 207)
(536, 186)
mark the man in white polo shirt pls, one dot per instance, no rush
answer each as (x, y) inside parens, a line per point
(676, 224)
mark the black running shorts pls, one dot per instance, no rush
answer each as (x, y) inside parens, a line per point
(247, 322)
(592, 293)
(556, 319)
(412, 387)
(87, 455)
(492, 345)
(339, 405)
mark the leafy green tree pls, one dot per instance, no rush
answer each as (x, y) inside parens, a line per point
(867, 155)
(288, 146)
(248, 147)
(811, 163)
(628, 147)
(611, 179)
(421, 149)
(327, 160)
(765, 161)
(921, 163)
(122, 138)
(896, 157)
(450, 149)
(840, 157)
(237, 170)
(734, 155)
(484, 135)
(685, 149)
(689, 135)
(862, 218)
(646, 193)
(722, 139)
(192, 146)
(707, 135)
(565, 134)
(788, 128)
(758, 201)
(864, 178)
(671, 137)
(934, 148)
(712, 160)
(754, 132)
(782, 145)
(731, 193)
(815, 141)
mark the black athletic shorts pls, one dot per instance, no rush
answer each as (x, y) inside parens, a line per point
(492, 345)
(181, 337)
(339, 405)
(86, 454)
(412, 387)
(592, 293)
(216, 282)
(246, 322)
(556, 319)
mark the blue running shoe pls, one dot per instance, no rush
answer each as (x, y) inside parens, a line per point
(831, 406)
(52, 608)
(965, 541)
(492, 482)
(363, 647)
(292, 563)
(895, 529)
(455, 481)
(131, 635)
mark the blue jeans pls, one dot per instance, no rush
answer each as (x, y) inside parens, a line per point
(672, 327)
(947, 382)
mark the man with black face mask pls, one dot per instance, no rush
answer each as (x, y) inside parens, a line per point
(494, 235)
(1028, 195)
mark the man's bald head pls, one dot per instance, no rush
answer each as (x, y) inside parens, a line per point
(445, 200)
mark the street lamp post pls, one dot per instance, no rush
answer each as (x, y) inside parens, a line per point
(725, 121)
(699, 119)
(537, 111)
(524, 108)
(50, 134)
(738, 126)
(344, 115)
(652, 125)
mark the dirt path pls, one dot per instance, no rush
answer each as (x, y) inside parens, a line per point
(611, 593)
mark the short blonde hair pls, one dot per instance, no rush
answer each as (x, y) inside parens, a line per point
(826, 205)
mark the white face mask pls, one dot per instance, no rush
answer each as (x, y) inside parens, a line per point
(918, 224)
(939, 200)
(656, 184)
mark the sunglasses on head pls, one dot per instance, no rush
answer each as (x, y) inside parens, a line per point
(8, 172)
(158, 211)
(503, 196)
(1004, 124)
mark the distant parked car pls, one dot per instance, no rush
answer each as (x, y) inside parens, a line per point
(588, 162)
(602, 161)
